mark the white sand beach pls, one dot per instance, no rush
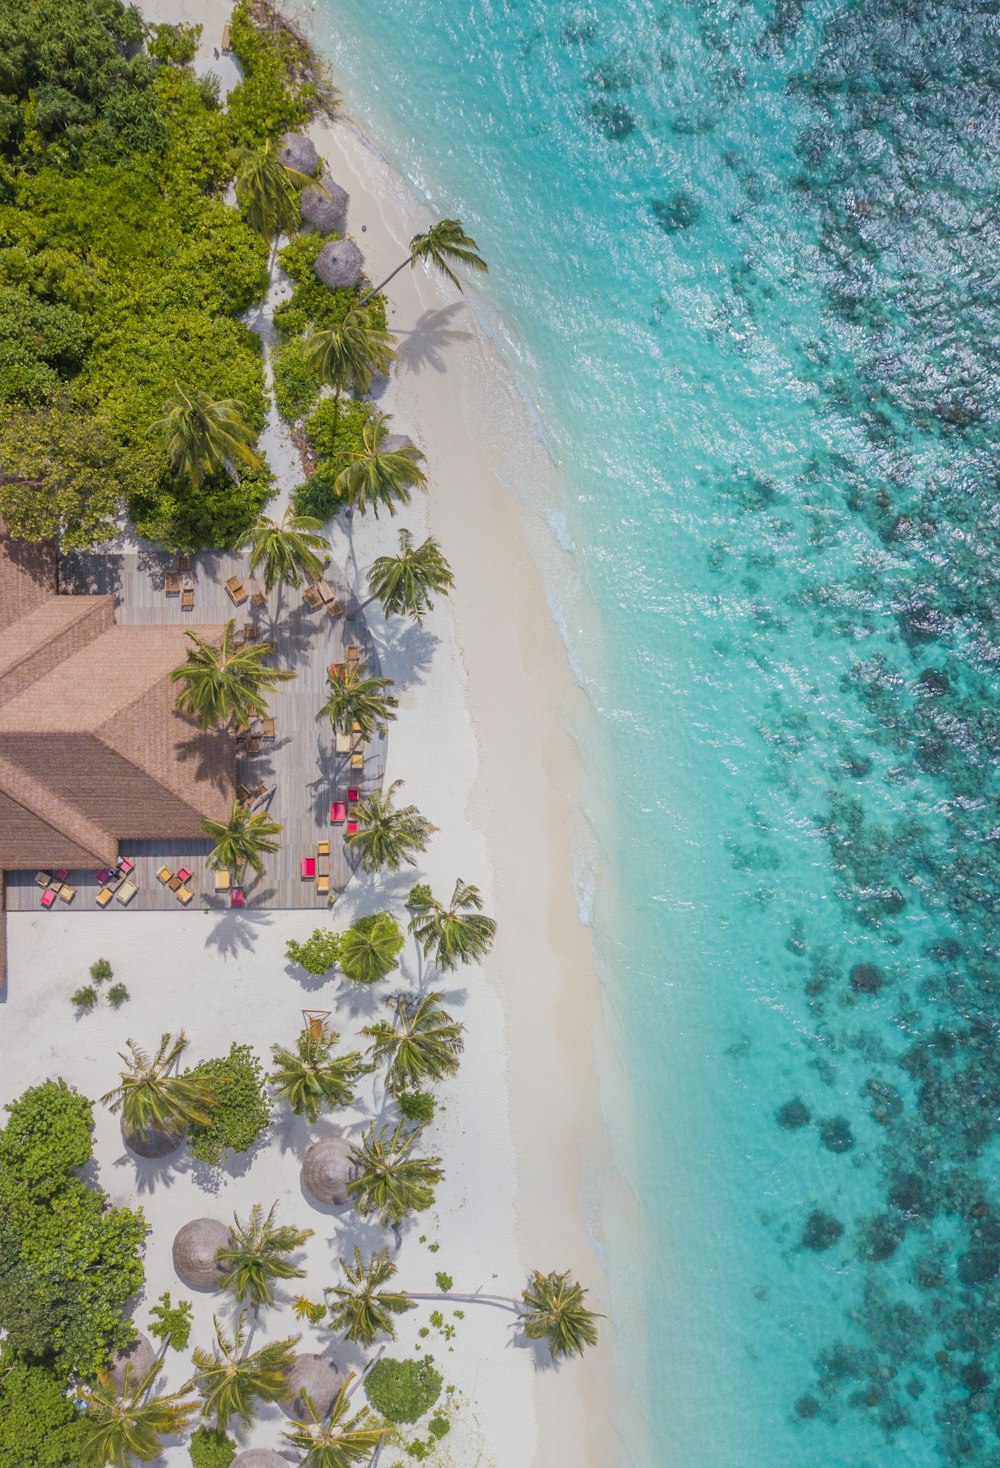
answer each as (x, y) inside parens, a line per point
(484, 744)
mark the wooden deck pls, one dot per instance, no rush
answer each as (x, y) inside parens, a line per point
(300, 765)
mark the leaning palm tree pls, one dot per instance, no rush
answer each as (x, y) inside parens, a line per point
(129, 1425)
(369, 950)
(311, 1077)
(267, 191)
(258, 1254)
(459, 933)
(552, 1310)
(225, 683)
(363, 1308)
(422, 1045)
(346, 356)
(389, 1182)
(445, 242)
(378, 476)
(337, 1440)
(205, 435)
(387, 837)
(230, 1380)
(404, 583)
(242, 842)
(153, 1098)
(290, 550)
(358, 698)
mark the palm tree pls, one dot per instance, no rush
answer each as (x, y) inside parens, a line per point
(225, 682)
(444, 242)
(290, 550)
(130, 1425)
(150, 1098)
(267, 191)
(459, 933)
(389, 1182)
(230, 1380)
(205, 435)
(378, 476)
(338, 1440)
(241, 842)
(422, 1045)
(369, 950)
(363, 1308)
(552, 1310)
(357, 698)
(310, 1078)
(257, 1254)
(387, 837)
(403, 583)
(346, 356)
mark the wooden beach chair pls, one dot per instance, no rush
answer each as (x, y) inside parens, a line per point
(323, 886)
(184, 895)
(236, 590)
(126, 892)
(222, 882)
(187, 599)
(172, 583)
(104, 896)
(312, 598)
(163, 875)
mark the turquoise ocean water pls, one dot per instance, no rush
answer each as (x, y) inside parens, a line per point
(751, 251)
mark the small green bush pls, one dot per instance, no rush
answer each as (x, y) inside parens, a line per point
(39, 1426)
(242, 1112)
(438, 1426)
(117, 995)
(402, 1391)
(318, 954)
(416, 1106)
(100, 971)
(171, 1323)
(85, 998)
(49, 1134)
(444, 1282)
(210, 1448)
(174, 43)
(296, 387)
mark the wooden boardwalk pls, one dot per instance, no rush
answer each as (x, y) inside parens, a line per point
(300, 766)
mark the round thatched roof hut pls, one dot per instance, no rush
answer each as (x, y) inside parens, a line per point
(339, 264)
(324, 208)
(149, 1142)
(317, 1378)
(258, 1458)
(195, 1248)
(327, 1169)
(136, 1360)
(299, 153)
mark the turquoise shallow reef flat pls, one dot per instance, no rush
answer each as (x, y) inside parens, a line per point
(750, 251)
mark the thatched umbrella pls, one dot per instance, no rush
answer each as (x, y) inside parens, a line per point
(299, 153)
(339, 264)
(258, 1458)
(151, 1143)
(324, 208)
(327, 1169)
(139, 1356)
(195, 1248)
(314, 1377)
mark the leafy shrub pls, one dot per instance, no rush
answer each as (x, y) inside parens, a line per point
(416, 1106)
(117, 995)
(369, 949)
(402, 1391)
(49, 1134)
(444, 1282)
(39, 1426)
(296, 386)
(438, 1426)
(335, 432)
(242, 1112)
(269, 100)
(171, 1323)
(101, 970)
(212, 517)
(85, 998)
(176, 43)
(318, 954)
(210, 1448)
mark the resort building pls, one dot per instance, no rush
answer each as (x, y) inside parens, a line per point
(92, 751)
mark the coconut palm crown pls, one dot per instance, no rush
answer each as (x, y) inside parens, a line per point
(441, 246)
(552, 1310)
(267, 190)
(363, 1308)
(311, 1077)
(369, 950)
(404, 583)
(204, 435)
(357, 698)
(347, 355)
(230, 1381)
(390, 1183)
(225, 683)
(378, 476)
(242, 842)
(458, 933)
(338, 1440)
(387, 836)
(422, 1045)
(129, 1425)
(291, 550)
(258, 1254)
(152, 1098)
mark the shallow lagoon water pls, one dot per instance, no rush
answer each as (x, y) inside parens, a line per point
(748, 253)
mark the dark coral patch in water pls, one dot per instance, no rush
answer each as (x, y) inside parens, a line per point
(680, 211)
(821, 1231)
(866, 978)
(614, 120)
(836, 1135)
(793, 1115)
(806, 1407)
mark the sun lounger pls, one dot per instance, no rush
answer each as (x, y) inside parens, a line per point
(125, 866)
(104, 896)
(322, 848)
(172, 583)
(250, 631)
(325, 594)
(222, 881)
(236, 590)
(352, 793)
(187, 600)
(126, 892)
(308, 868)
(62, 874)
(351, 828)
(237, 897)
(343, 743)
(338, 812)
(257, 597)
(164, 875)
(323, 886)
(225, 37)
(312, 598)
(334, 609)
(184, 873)
(357, 761)
(243, 794)
(66, 892)
(42, 879)
(253, 744)
(48, 896)
(184, 894)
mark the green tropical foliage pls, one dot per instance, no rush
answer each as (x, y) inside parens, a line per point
(231, 1381)
(370, 948)
(379, 475)
(357, 698)
(242, 842)
(363, 1307)
(171, 1323)
(290, 550)
(242, 1111)
(442, 246)
(153, 1097)
(210, 1448)
(553, 1311)
(404, 583)
(458, 933)
(317, 954)
(204, 436)
(403, 1391)
(387, 836)
(391, 1183)
(258, 1254)
(129, 1426)
(223, 684)
(423, 1044)
(339, 1439)
(311, 1077)
(39, 1426)
(347, 354)
(267, 190)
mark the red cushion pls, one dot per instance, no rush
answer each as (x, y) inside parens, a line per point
(236, 897)
(352, 794)
(338, 811)
(184, 873)
(352, 826)
(48, 897)
(309, 866)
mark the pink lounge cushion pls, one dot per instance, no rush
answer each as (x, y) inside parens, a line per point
(124, 865)
(308, 866)
(236, 897)
(352, 827)
(338, 811)
(48, 896)
(184, 873)
(352, 794)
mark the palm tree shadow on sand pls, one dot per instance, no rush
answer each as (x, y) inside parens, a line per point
(423, 345)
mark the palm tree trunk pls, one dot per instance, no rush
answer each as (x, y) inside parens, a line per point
(375, 289)
(502, 1302)
(350, 542)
